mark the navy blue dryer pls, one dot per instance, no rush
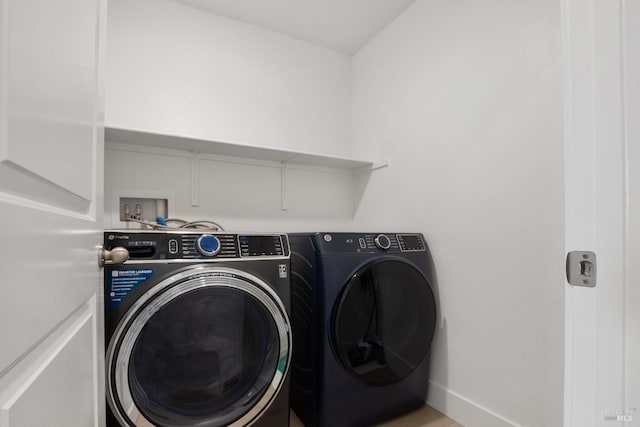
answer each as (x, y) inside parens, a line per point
(363, 317)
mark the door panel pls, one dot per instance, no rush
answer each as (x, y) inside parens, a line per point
(49, 269)
(61, 365)
(51, 155)
(219, 343)
(50, 82)
(202, 347)
(384, 321)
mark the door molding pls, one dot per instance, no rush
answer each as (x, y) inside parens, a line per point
(595, 203)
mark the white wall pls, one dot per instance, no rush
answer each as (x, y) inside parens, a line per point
(178, 70)
(464, 98)
(240, 197)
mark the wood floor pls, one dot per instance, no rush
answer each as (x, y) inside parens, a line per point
(424, 417)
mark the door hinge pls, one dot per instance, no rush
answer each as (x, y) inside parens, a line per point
(581, 268)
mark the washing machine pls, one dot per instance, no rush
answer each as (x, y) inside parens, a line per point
(197, 328)
(363, 316)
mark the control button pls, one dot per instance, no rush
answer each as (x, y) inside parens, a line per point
(327, 237)
(208, 245)
(173, 246)
(382, 242)
(362, 243)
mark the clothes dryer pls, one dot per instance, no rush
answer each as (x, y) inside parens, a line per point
(197, 329)
(364, 314)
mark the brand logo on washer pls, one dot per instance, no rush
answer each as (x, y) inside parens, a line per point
(118, 236)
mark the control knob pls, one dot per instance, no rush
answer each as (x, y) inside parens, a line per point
(382, 241)
(208, 245)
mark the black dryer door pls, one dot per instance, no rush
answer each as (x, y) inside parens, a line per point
(206, 347)
(384, 321)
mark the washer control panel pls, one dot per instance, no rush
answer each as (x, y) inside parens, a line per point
(256, 245)
(370, 242)
(195, 245)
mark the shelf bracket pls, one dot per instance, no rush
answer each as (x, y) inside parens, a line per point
(380, 164)
(195, 176)
(283, 188)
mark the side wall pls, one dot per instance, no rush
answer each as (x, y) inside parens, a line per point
(178, 70)
(464, 98)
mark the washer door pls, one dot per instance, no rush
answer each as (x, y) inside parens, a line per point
(384, 321)
(205, 347)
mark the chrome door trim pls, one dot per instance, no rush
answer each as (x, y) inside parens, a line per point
(129, 328)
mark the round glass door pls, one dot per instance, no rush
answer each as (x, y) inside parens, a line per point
(211, 349)
(384, 322)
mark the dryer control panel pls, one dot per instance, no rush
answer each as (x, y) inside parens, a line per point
(370, 242)
(195, 245)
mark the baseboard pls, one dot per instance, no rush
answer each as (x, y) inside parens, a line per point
(464, 411)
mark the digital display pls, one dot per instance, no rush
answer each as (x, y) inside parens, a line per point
(410, 242)
(260, 245)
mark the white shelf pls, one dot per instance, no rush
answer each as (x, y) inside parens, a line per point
(199, 146)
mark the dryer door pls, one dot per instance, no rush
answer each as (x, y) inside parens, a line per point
(206, 347)
(384, 321)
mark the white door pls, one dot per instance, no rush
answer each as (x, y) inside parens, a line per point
(602, 94)
(51, 161)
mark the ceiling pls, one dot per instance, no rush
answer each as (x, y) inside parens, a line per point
(341, 25)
